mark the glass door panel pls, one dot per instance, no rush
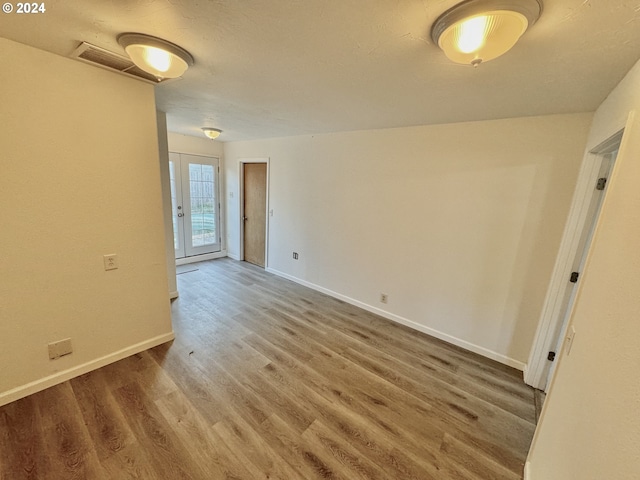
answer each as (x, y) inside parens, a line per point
(198, 207)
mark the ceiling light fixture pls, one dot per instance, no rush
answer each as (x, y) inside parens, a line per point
(155, 55)
(212, 133)
(477, 31)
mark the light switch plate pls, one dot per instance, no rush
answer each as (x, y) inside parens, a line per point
(571, 335)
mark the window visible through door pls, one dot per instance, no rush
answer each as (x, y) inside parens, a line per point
(195, 204)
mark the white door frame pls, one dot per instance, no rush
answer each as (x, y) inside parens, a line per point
(536, 372)
(241, 162)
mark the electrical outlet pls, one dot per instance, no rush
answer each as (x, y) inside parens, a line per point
(60, 348)
(384, 298)
(295, 255)
(110, 261)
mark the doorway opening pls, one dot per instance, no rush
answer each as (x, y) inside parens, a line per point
(253, 224)
(583, 217)
(195, 205)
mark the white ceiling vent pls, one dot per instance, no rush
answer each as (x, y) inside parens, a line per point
(112, 61)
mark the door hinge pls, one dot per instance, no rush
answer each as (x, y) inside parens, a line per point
(552, 356)
(574, 277)
(601, 183)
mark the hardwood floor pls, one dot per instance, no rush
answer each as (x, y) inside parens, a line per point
(270, 380)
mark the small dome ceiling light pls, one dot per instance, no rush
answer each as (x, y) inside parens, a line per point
(212, 133)
(477, 31)
(155, 55)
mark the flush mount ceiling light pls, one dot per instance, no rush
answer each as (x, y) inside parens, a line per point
(477, 31)
(212, 133)
(155, 55)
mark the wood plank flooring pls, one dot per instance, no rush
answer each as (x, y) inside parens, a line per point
(270, 380)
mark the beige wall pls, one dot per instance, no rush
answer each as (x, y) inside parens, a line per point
(590, 426)
(195, 145)
(80, 179)
(459, 224)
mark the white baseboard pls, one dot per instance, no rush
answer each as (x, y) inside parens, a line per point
(60, 377)
(201, 258)
(233, 256)
(173, 295)
(527, 471)
(498, 357)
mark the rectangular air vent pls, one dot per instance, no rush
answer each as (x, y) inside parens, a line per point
(112, 61)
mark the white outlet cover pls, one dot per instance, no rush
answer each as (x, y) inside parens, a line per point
(60, 349)
(110, 261)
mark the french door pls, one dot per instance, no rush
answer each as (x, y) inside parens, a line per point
(195, 204)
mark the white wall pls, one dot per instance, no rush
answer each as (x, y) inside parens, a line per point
(165, 180)
(80, 179)
(590, 426)
(459, 224)
(195, 145)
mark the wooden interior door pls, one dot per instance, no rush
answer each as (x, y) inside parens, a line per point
(255, 212)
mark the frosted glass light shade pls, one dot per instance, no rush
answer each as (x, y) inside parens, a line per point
(477, 31)
(212, 133)
(155, 55)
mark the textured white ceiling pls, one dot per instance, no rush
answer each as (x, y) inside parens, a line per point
(268, 68)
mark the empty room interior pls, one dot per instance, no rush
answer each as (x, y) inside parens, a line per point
(320, 239)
